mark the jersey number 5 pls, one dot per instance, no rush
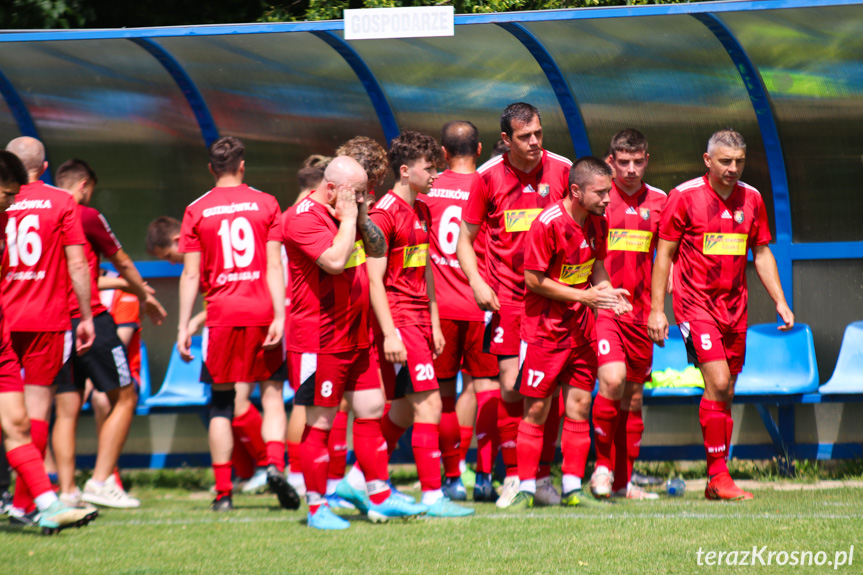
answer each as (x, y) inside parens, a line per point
(22, 241)
(238, 242)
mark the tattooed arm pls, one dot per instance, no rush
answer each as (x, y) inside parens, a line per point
(373, 238)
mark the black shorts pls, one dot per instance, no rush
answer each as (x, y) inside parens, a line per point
(106, 364)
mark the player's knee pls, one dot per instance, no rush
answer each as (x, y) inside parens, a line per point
(428, 409)
(222, 404)
(18, 427)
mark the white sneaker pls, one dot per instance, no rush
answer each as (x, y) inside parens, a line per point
(508, 492)
(546, 494)
(109, 495)
(258, 482)
(600, 482)
(73, 499)
(296, 481)
(636, 493)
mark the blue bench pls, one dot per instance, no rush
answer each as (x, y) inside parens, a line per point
(847, 378)
(673, 356)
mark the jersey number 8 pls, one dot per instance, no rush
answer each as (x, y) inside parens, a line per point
(238, 243)
(23, 242)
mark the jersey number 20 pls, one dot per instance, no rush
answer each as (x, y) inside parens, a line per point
(22, 241)
(238, 242)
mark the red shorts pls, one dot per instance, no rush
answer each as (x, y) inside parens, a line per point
(323, 378)
(233, 354)
(41, 354)
(541, 369)
(627, 343)
(503, 333)
(464, 350)
(10, 369)
(705, 341)
(419, 373)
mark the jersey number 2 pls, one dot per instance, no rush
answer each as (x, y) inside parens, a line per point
(22, 241)
(238, 243)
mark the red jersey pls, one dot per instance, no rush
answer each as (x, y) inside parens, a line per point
(406, 230)
(125, 308)
(446, 201)
(230, 227)
(714, 234)
(565, 252)
(101, 241)
(40, 224)
(329, 313)
(510, 201)
(633, 232)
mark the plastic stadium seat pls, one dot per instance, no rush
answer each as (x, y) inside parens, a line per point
(182, 386)
(848, 373)
(287, 392)
(144, 388)
(778, 362)
(673, 355)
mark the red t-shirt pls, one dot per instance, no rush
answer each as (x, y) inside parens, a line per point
(406, 230)
(329, 313)
(125, 308)
(101, 241)
(446, 201)
(565, 252)
(633, 232)
(230, 227)
(714, 235)
(39, 225)
(510, 201)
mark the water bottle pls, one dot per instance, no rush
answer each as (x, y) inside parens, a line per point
(675, 487)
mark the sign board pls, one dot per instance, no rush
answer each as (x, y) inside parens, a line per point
(412, 22)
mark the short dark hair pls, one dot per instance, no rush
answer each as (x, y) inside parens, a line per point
(226, 155)
(410, 147)
(460, 138)
(369, 153)
(517, 112)
(12, 170)
(586, 168)
(160, 233)
(500, 148)
(74, 170)
(312, 172)
(628, 141)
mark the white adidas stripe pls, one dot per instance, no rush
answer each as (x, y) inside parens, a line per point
(385, 202)
(558, 157)
(492, 162)
(655, 189)
(201, 198)
(550, 214)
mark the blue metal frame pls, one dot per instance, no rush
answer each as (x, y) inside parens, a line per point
(186, 85)
(574, 119)
(21, 114)
(382, 107)
(772, 145)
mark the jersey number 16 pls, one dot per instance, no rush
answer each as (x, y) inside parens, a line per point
(22, 241)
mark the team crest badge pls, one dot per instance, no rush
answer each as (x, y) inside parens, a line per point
(544, 190)
(738, 216)
(644, 213)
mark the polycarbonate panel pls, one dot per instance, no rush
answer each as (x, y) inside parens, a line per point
(668, 77)
(811, 61)
(8, 126)
(285, 95)
(110, 103)
(471, 76)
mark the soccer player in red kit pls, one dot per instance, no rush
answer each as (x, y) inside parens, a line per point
(518, 186)
(707, 227)
(330, 357)
(231, 237)
(44, 248)
(462, 322)
(408, 335)
(566, 280)
(624, 351)
(22, 454)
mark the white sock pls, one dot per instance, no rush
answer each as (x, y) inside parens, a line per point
(356, 479)
(295, 478)
(431, 497)
(45, 500)
(570, 483)
(528, 485)
(331, 486)
(602, 468)
(462, 466)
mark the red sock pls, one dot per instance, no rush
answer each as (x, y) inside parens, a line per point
(371, 451)
(620, 453)
(487, 409)
(634, 432)
(117, 478)
(39, 434)
(575, 444)
(450, 436)
(276, 454)
(508, 418)
(392, 433)
(29, 465)
(338, 446)
(314, 458)
(248, 427)
(549, 439)
(294, 457)
(606, 414)
(529, 449)
(241, 461)
(729, 429)
(222, 471)
(426, 446)
(711, 414)
(465, 437)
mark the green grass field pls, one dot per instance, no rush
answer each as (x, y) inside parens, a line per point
(174, 532)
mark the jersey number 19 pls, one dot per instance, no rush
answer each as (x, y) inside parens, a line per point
(238, 242)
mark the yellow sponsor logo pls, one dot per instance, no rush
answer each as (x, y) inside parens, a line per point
(416, 256)
(358, 256)
(520, 220)
(576, 274)
(725, 244)
(629, 240)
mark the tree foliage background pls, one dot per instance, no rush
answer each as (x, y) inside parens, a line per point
(44, 14)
